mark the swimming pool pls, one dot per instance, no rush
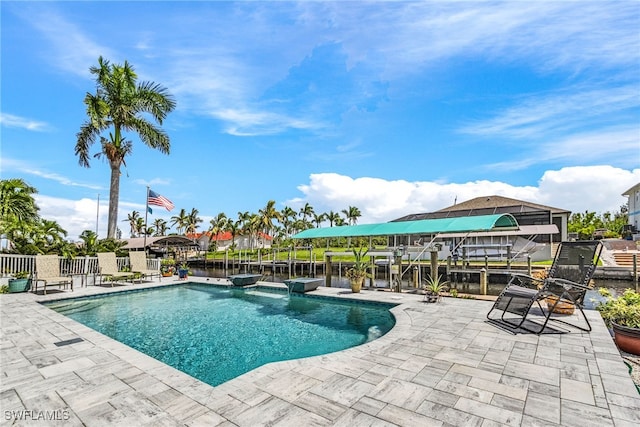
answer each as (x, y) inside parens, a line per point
(216, 333)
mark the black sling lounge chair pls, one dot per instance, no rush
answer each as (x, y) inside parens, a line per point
(567, 282)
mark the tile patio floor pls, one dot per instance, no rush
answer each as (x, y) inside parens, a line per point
(441, 365)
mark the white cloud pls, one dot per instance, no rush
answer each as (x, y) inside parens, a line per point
(75, 216)
(581, 188)
(12, 121)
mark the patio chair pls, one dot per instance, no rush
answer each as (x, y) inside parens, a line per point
(138, 263)
(567, 282)
(48, 272)
(108, 269)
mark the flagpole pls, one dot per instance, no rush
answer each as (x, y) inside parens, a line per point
(146, 213)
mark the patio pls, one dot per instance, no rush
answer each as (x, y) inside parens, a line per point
(442, 364)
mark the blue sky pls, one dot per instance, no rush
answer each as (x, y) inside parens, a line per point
(393, 107)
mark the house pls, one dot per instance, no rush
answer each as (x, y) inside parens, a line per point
(540, 227)
(633, 203)
(526, 213)
(223, 240)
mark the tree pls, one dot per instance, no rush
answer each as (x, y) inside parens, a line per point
(192, 221)
(306, 211)
(352, 213)
(121, 104)
(180, 221)
(267, 215)
(217, 225)
(160, 226)
(132, 219)
(317, 219)
(333, 218)
(17, 202)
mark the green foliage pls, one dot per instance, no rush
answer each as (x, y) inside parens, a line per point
(585, 224)
(435, 285)
(360, 268)
(623, 310)
(21, 274)
(454, 293)
(4, 289)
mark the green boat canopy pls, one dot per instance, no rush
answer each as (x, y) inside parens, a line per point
(498, 222)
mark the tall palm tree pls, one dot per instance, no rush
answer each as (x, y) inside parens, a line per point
(192, 221)
(122, 104)
(160, 226)
(180, 221)
(267, 215)
(332, 217)
(217, 225)
(352, 214)
(317, 219)
(306, 211)
(132, 219)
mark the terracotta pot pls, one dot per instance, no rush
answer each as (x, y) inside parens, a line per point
(356, 284)
(627, 339)
(562, 307)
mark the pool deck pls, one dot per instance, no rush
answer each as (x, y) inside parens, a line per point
(441, 365)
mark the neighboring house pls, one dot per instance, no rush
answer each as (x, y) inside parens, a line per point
(633, 203)
(540, 227)
(224, 242)
(526, 213)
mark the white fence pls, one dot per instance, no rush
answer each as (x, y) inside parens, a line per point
(10, 264)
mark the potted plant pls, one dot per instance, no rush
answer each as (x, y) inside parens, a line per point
(359, 271)
(433, 288)
(167, 267)
(21, 282)
(622, 315)
(183, 271)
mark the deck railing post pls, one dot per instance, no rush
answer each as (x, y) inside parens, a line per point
(327, 278)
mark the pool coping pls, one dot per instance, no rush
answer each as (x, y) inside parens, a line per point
(101, 380)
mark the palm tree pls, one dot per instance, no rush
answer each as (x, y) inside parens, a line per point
(332, 217)
(192, 221)
(161, 226)
(17, 202)
(352, 214)
(122, 104)
(317, 219)
(218, 224)
(180, 221)
(305, 211)
(132, 219)
(267, 215)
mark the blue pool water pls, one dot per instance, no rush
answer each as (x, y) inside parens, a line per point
(217, 333)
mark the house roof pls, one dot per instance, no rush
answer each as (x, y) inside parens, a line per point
(421, 227)
(485, 205)
(630, 191)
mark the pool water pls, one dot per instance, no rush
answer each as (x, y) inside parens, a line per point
(216, 333)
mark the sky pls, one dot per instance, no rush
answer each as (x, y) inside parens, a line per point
(392, 107)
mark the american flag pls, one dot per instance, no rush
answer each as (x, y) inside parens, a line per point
(158, 200)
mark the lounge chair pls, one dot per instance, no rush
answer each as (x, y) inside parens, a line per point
(567, 282)
(48, 272)
(138, 263)
(108, 269)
